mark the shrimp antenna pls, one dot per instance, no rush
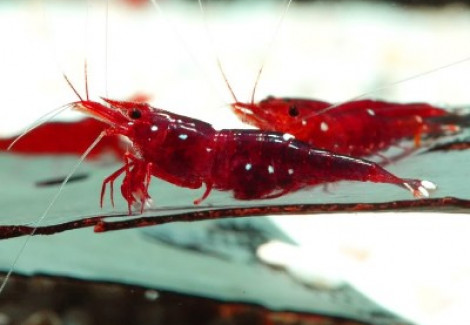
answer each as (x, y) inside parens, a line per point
(73, 88)
(50, 115)
(40, 121)
(217, 57)
(44, 214)
(184, 44)
(64, 182)
(106, 31)
(392, 84)
(269, 48)
(85, 68)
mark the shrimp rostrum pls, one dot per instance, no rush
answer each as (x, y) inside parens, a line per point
(253, 164)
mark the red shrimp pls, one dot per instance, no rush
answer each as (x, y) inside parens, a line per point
(358, 128)
(253, 164)
(71, 138)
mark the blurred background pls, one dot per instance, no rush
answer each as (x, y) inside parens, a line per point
(413, 265)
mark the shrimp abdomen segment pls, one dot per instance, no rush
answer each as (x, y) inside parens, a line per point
(257, 165)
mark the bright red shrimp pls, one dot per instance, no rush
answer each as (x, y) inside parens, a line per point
(71, 138)
(253, 164)
(357, 128)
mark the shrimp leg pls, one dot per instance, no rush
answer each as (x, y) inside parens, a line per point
(206, 193)
(110, 179)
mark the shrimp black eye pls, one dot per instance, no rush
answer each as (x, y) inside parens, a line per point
(293, 111)
(135, 114)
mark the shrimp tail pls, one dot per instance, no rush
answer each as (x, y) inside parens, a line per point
(419, 188)
(372, 172)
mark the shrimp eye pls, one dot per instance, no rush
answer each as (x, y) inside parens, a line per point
(135, 114)
(293, 111)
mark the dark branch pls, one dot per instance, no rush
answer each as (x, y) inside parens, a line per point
(101, 225)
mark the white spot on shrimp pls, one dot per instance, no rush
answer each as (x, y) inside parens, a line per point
(270, 169)
(248, 166)
(148, 203)
(183, 136)
(130, 123)
(290, 171)
(408, 187)
(324, 127)
(370, 112)
(304, 122)
(154, 128)
(429, 185)
(208, 149)
(287, 136)
(246, 110)
(424, 192)
(293, 146)
(418, 119)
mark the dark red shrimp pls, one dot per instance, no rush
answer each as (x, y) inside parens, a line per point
(253, 164)
(357, 128)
